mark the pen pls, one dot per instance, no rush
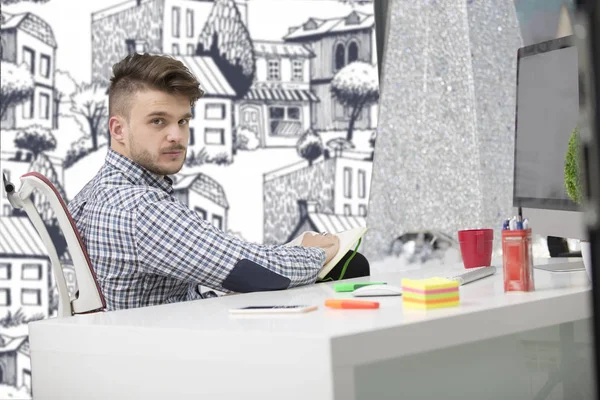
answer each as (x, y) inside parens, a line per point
(351, 304)
(505, 224)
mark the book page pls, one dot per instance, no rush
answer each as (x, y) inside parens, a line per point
(348, 240)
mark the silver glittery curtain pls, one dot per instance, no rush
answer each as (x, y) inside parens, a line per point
(444, 150)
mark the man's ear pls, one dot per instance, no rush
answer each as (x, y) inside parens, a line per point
(118, 128)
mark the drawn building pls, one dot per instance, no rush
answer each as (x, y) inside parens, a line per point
(278, 105)
(25, 273)
(153, 26)
(211, 125)
(338, 185)
(28, 39)
(15, 362)
(17, 162)
(336, 43)
(312, 219)
(204, 195)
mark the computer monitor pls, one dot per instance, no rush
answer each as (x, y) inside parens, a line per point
(547, 113)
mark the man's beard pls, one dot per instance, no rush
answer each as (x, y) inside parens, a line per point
(146, 160)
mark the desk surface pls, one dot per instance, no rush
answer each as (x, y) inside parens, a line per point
(485, 312)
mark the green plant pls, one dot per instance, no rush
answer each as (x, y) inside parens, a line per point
(572, 168)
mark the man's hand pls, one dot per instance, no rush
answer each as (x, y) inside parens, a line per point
(328, 242)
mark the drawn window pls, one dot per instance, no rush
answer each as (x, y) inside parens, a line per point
(217, 221)
(347, 182)
(362, 210)
(274, 73)
(28, 108)
(190, 49)
(297, 70)
(5, 297)
(5, 271)
(347, 210)
(340, 57)
(45, 66)
(189, 23)
(175, 21)
(201, 212)
(214, 136)
(215, 111)
(285, 121)
(175, 49)
(352, 52)
(44, 106)
(141, 46)
(29, 58)
(31, 297)
(31, 272)
(362, 184)
(293, 113)
(192, 136)
(7, 210)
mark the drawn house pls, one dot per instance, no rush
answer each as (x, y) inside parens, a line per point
(340, 185)
(204, 195)
(15, 362)
(336, 43)
(211, 125)
(28, 39)
(25, 273)
(312, 220)
(278, 105)
(169, 27)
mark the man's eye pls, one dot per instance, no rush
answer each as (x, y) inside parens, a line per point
(157, 121)
(183, 122)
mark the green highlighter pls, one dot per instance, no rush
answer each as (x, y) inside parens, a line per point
(350, 287)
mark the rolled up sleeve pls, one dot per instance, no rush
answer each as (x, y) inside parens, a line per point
(174, 241)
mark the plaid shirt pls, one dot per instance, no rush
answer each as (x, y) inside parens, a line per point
(148, 248)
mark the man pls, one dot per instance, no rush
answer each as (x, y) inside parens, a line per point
(147, 247)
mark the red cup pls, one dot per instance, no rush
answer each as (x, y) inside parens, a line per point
(476, 247)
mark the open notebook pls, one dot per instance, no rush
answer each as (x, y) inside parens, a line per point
(348, 240)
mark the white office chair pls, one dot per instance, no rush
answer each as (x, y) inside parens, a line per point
(89, 298)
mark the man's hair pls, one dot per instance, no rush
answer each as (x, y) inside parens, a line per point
(139, 72)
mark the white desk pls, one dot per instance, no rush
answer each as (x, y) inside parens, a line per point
(197, 350)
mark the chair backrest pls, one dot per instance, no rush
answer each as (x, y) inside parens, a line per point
(90, 298)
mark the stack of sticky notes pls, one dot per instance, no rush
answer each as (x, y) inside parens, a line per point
(430, 293)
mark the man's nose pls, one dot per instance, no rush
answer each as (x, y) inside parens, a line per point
(175, 134)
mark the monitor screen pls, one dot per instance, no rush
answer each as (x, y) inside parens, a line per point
(547, 113)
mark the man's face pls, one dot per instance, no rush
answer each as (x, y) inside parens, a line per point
(158, 131)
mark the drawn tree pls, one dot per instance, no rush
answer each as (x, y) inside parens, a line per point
(36, 139)
(226, 39)
(309, 146)
(16, 85)
(64, 87)
(356, 86)
(90, 103)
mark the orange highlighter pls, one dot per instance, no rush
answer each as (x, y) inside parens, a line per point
(351, 304)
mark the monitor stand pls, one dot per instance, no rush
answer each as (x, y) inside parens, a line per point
(559, 264)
